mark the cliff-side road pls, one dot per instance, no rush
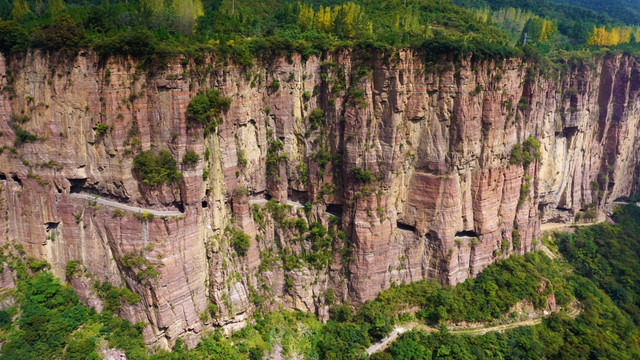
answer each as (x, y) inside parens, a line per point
(125, 207)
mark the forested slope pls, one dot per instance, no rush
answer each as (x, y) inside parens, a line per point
(602, 273)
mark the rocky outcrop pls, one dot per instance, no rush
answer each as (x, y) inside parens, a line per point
(408, 168)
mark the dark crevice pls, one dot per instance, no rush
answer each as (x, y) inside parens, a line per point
(205, 204)
(15, 178)
(179, 205)
(466, 233)
(3, 176)
(403, 226)
(569, 131)
(51, 225)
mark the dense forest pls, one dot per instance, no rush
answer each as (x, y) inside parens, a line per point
(156, 30)
(599, 278)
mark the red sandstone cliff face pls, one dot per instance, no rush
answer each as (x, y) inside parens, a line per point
(414, 159)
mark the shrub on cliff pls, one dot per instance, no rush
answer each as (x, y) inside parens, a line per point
(23, 136)
(365, 176)
(241, 242)
(190, 158)
(102, 128)
(156, 169)
(206, 107)
(316, 117)
(526, 153)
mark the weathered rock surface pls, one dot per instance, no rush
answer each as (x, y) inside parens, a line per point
(413, 159)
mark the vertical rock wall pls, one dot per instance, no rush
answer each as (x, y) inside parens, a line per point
(408, 167)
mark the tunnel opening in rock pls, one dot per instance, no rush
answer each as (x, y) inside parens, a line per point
(3, 176)
(205, 204)
(335, 210)
(466, 233)
(403, 226)
(77, 185)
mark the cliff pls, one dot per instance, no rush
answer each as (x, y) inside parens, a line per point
(408, 172)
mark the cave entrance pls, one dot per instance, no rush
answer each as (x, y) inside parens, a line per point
(466, 233)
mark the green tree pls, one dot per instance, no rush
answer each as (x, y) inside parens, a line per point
(153, 6)
(56, 7)
(20, 9)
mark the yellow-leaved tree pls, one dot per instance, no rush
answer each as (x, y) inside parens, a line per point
(601, 36)
(346, 20)
(187, 11)
(305, 17)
